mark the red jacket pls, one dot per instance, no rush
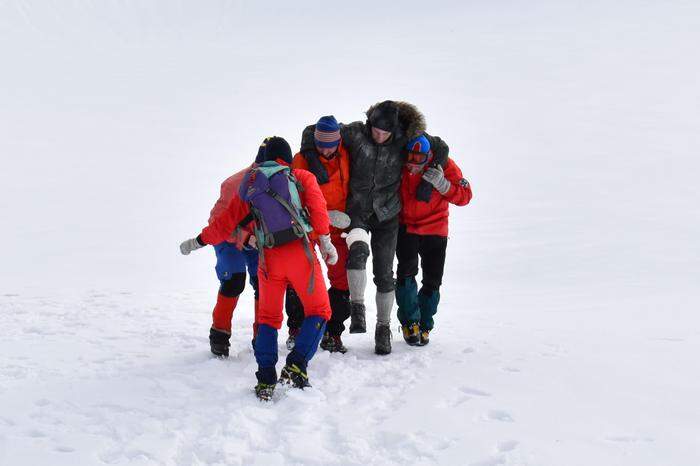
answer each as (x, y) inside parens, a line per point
(229, 190)
(430, 218)
(225, 222)
(337, 188)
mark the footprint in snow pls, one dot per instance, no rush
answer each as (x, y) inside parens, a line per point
(629, 439)
(510, 369)
(473, 391)
(506, 445)
(669, 339)
(34, 433)
(499, 415)
(493, 461)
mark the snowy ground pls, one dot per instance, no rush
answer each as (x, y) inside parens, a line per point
(569, 329)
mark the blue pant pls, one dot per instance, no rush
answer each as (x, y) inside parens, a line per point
(230, 262)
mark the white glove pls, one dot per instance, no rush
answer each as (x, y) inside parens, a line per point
(339, 219)
(436, 177)
(356, 234)
(328, 252)
(189, 245)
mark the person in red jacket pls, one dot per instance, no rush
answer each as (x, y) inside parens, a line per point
(330, 164)
(423, 228)
(232, 257)
(285, 257)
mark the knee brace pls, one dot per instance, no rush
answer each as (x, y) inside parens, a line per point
(358, 255)
(234, 286)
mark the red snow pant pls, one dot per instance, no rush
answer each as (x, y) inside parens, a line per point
(338, 273)
(288, 264)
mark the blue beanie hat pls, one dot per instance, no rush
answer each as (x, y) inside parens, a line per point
(419, 144)
(327, 133)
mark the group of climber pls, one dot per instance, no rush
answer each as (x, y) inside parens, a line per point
(382, 186)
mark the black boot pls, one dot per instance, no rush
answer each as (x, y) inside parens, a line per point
(382, 339)
(333, 344)
(357, 318)
(219, 342)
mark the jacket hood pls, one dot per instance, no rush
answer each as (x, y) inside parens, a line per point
(411, 120)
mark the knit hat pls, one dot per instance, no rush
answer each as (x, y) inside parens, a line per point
(260, 158)
(385, 116)
(277, 148)
(419, 144)
(327, 133)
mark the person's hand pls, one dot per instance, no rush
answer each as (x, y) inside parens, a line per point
(355, 235)
(339, 219)
(190, 245)
(328, 251)
(436, 177)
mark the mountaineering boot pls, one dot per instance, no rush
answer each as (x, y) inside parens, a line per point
(295, 376)
(411, 334)
(291, 340)
(219, 342)
(357, 318)
(333, 344)
(264, 391)
(382, 339)
(267, 379)
(424, 337)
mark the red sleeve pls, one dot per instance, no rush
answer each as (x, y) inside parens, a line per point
(312, 198)
(460, 193)
(223, 224)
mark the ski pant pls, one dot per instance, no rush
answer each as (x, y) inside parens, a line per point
(338, 293)
(231, 264)
(419, 305)
(288, 265)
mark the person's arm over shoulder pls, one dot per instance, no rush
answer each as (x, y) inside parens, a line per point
(460, 192)
(439, 148)
(349, 133)
(223, 224)
(308, 143)
(312, 198)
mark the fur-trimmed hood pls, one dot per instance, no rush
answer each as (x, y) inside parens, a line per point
(411, 120)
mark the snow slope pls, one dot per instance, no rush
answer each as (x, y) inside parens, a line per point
(568, 332)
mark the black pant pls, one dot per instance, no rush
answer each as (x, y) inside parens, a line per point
(383, 243)
(430, 248)
(294, 308)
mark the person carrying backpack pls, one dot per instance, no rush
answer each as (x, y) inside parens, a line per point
(423, 228)
(287, 207)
